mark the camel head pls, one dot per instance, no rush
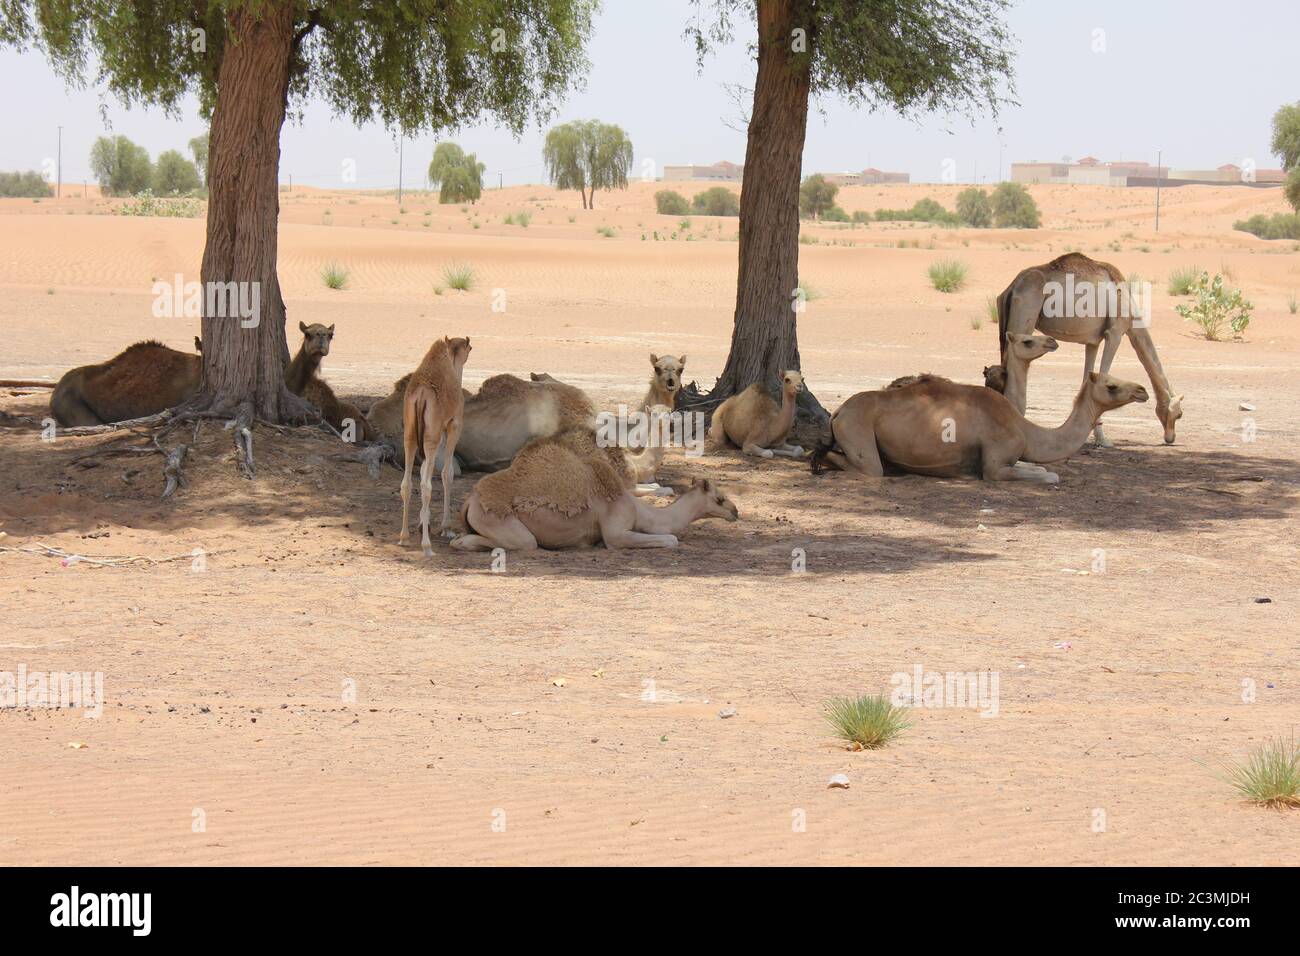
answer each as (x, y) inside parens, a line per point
(791, 382)
(1169, 417)
(1029, 347)
(716, 503)
(668, 372)
(995, 377)
(316, 338)
(458, 349)
(1108, 392)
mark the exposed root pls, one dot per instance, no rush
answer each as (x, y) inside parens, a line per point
(105, 561)
(172, 470)
(242, 427)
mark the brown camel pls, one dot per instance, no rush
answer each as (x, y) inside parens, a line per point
(1077, 299)
(501, 418)
(566, 491)
(755, 424)
(936, 427)
(666, 381)
(431, 416)
(302, 377)
(145, 379)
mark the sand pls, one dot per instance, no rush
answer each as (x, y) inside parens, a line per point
(307, 692)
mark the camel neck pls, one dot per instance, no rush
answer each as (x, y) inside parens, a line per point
(786, 417)
(1017, 386)
(300, 370)
(1043, 445)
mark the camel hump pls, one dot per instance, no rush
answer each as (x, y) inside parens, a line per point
(908, 380)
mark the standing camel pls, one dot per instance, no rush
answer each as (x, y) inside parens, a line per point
(432, 413)
(1077, 299)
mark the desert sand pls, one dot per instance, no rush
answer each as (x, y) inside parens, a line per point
(308, 692)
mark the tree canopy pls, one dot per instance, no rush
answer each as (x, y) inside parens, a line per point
(460, 174)
(1286, 143)
(120, 166)
(174, 175)
(199, 148)
(587, 155)
(816, 196)
(974, 208)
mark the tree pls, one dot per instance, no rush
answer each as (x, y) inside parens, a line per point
(459, 173)
(120, 166)
(27, 185)
(816, 196)
(669, 202)
(911, 56)
(1286, 143)
(412, 65)
(1014, 208)
(174, 175)
(199, 147)
(974, 208)
(587, 155)
(716, 201)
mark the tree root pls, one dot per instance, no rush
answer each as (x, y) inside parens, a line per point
(242, 426)
(108, 561)
(25, 383)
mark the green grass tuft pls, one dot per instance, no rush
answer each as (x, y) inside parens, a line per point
(1183, 279)
(947, 275)
(1270, 775)
(459, 276)
(334, 276)
(867, 722)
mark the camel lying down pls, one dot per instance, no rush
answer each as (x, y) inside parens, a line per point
(565, 491)
(144, 379)
(936, 427)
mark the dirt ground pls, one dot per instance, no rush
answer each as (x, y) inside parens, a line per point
(308, 692)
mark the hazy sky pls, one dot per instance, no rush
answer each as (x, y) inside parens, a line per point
(1199, 79)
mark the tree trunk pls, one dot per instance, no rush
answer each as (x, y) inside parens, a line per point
(244, 357)
(764, 342)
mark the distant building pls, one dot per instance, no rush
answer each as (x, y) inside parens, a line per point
(721, 171)
(1091, 171)
(868, 177)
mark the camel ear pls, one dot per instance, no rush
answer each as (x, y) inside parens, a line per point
(706, 484)
(682, 361)
(1092, 377)
(331, 330)
(302, 327)
(1010, 336)
(654, 359)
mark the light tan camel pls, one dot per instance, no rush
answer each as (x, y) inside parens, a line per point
(145, 379)
(1077, 299)
(755, 424)
(302, 377)
(501, 418)
(937, 427)
(666, 381)
(431, 415)
(565, 491)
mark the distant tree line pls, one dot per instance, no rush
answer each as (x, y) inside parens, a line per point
(123, 168)
(24, 185)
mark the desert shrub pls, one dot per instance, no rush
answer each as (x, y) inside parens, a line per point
(1281, 225)
(25, 185)
(1183, 279)
(459, 276)
(669, 202)
(867, 722)
(923, 210)
(1014, 208)
(1270, 775)
(147, 204)
(718, 201)
(861, 216)
(606, 231)
(334, 276)
(974, 208)
(947, 275)
(835, 214)
(1214, 307)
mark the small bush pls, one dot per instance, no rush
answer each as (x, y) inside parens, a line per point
(835, 214)
(1292, 303)
(459, 276)
(718, 201)
(668, 202)
(807, 292)
(25, 185)
(521, 218)
(1014, 208)
(606, 231)
(974, 208)
(861, 216)
(947, 275)
(1216, 307)
(334, 276)
(1281, 225)
(867, 722)
(1270, 776)
(1182, 279)
(923, 210)
(147, 204)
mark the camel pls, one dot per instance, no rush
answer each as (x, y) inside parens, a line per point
(145, 379)
(432, 415)
(755, 423)
(666, 381)
(302, 377)
(1100, 311)
(505, 415)
(566, 491)
(936, 427)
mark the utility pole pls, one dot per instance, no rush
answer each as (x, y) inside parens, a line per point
(1159, 176)
(501, 180)
(58, 190)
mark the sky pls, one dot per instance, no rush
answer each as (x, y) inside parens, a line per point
(1115, 80)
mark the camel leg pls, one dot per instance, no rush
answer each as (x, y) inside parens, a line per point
(786, 450)
(618, 523)
(1022, 318)
(1114, 336)
(749, 448)
(492, 531)
(409, 447)
(448, 475)
(861, 456)
(426, 493)
(997, 471)
(406, 500)
(652, 490)
(71, 411)
(1089, 363)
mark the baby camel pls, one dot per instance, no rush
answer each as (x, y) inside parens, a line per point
(666, 381)
(566, 491)
(755, 423)
(937, 427)
(432, 413)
